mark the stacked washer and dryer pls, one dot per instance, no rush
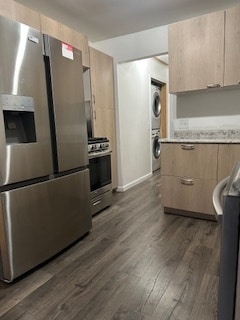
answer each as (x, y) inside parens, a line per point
(156, 123)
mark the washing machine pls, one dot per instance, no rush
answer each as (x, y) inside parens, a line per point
(156, 149)
(155, 106)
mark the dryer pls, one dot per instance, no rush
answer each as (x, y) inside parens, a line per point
(155, 106)
(156, 149)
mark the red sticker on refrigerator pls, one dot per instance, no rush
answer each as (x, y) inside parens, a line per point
(67, 51)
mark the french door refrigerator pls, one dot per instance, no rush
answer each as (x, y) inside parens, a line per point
(44, 175)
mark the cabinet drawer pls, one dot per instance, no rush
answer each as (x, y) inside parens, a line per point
(190, 160)
(189, 194)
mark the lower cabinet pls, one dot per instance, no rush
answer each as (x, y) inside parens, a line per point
(188, 196)
(189, 175)
(196, 160)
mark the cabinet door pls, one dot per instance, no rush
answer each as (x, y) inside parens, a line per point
(61, 32)
(196, 52)
(189, 160)
(101, 67)
(15, 11)
(193, 197)
(228, 156)
(232, 47)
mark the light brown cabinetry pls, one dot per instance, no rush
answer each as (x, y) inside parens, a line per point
(189, 160)
(189, 175)
(193, 199)
(15, 11)
(65, 34)
(228, 156)
(102, 79)
(196, 51)
(102, 85)
(204, 52)
(232, 47)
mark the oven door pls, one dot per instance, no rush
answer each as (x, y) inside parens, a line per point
(100, 171)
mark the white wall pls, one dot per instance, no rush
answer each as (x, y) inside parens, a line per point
(208, 110)
(134, 118)
(132, 98)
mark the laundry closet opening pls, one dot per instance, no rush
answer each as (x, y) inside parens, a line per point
(134, 116)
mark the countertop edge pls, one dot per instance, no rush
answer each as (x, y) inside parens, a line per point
(213, 141)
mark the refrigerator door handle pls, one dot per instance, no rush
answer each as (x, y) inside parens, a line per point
(217, 195)
(46, 46)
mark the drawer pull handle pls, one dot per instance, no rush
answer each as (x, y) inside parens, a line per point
(97, 202)
(213, 85)
(187, 182)
(187, 146)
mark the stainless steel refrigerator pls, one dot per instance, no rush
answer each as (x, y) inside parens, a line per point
(44, 175)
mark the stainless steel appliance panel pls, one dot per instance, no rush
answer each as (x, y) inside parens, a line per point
(100, 175)
(38, 221)
(156, 149)
(23, 96)
(68, 104)
(101, 202)
(155, 106)
(226, 201)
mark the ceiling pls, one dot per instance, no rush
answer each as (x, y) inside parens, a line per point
(103, 19)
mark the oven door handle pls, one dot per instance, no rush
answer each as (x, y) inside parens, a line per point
(98, 154)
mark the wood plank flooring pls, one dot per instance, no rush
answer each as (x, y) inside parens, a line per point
(137, 263)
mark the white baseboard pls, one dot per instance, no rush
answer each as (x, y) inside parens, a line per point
(133, 183)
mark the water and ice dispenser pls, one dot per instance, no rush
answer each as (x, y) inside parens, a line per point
(18, 114)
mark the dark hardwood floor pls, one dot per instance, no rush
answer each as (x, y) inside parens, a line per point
(137, 263)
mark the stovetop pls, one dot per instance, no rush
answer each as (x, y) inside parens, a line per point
(97, 140)
(98, 144)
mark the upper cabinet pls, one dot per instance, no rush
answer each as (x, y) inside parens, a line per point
(196, 51)
(204, 52)
(15, 11)
(232, 47)
(59, 31)
(102, 79)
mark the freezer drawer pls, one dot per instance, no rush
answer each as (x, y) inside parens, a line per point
(38, 221)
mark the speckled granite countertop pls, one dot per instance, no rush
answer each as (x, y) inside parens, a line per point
(178, 140)
(204, 136)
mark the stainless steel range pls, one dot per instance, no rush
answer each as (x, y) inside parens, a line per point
(97, 145)
(100, 173)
